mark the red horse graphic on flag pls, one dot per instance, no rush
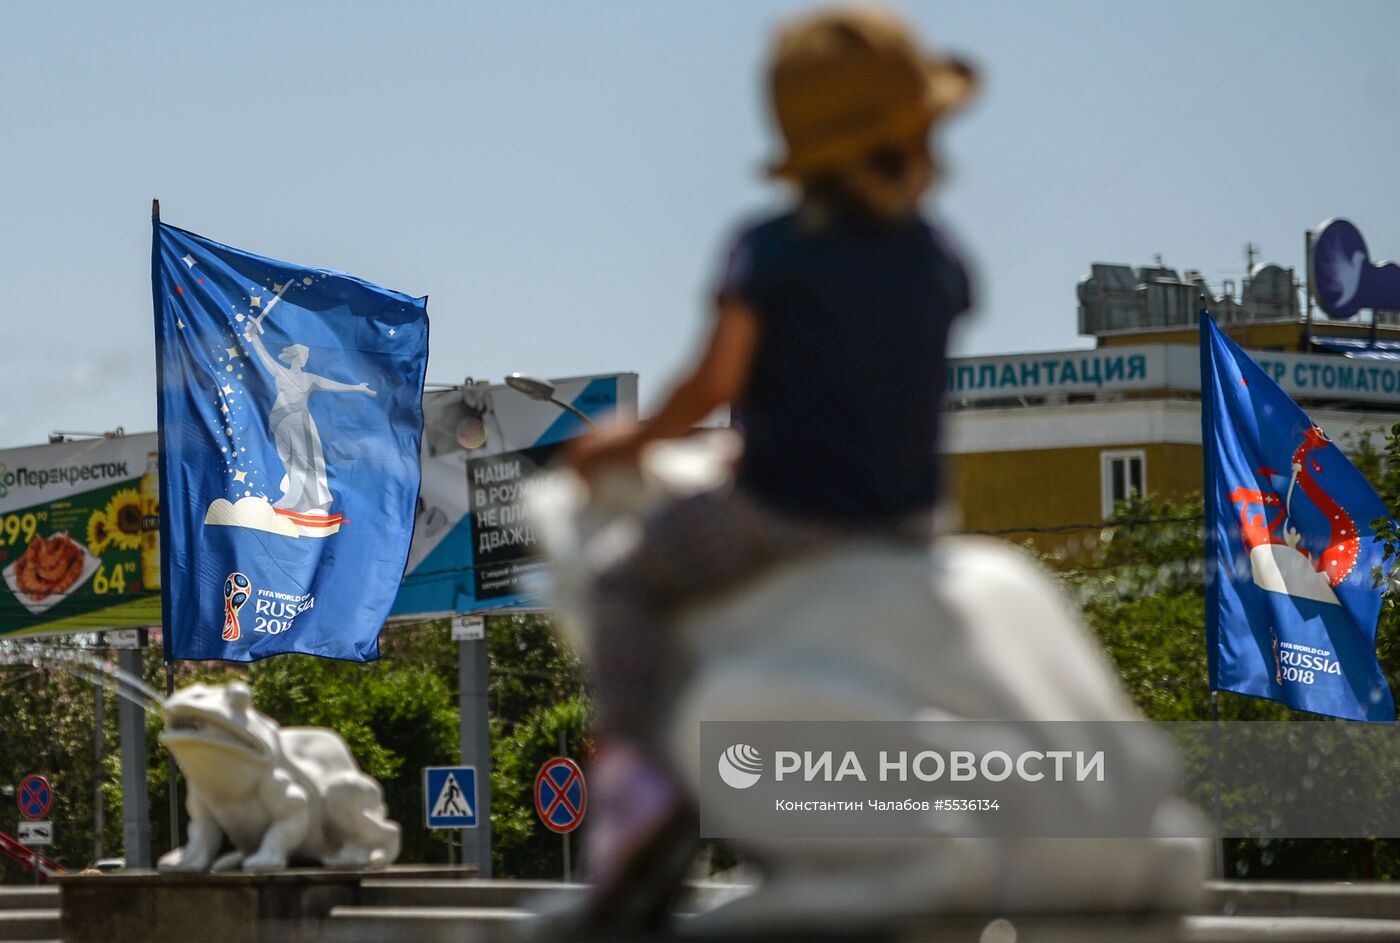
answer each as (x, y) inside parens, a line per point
(1277, 558)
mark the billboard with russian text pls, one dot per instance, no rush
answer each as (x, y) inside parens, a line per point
(79, 536)
(474, 548)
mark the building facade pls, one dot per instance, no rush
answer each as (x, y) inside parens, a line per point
(1043, 446)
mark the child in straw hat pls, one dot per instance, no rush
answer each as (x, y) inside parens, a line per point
(829, 341)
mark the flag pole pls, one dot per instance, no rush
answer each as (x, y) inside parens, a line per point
(172, 771)
(1207, 575)
(1215, 783)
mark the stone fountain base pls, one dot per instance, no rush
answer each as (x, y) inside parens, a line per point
(283, 907)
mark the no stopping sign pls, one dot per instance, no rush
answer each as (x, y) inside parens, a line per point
(560, 795)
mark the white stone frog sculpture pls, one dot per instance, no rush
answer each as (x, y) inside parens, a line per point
(281, 794)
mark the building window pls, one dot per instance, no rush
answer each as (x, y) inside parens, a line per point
(1124, 475)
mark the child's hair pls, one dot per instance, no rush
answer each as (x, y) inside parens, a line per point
(848, 189)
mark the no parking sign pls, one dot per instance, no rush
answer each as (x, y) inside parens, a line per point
(561, 797)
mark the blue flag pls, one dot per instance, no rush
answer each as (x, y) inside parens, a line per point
(1290, 606)
(290, 402)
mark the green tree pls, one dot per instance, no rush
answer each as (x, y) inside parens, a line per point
(48, 729)
(523, 847)
(536, 694)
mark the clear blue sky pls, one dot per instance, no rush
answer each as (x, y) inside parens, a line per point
(561, 178)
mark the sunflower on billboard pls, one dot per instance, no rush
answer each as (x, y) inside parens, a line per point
(99, 532)
(123, 515)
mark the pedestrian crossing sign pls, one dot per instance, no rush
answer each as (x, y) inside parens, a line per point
(449, 796)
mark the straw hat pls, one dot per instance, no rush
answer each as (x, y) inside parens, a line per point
(847, 81)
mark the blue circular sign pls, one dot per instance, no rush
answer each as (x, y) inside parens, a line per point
(1340, 264)
(34, 797)
(560, 795)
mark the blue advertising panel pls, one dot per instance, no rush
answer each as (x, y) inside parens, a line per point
(473, 546)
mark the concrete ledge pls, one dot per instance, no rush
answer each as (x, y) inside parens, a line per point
(408, 892)
(1303, 899)
(405, 916)
(1288, 930)
(437, 925)
(421, 872)
(28, 924)
(1083, 929)
(434, 893)
(281, 907)
(427, 905)
(16, 897)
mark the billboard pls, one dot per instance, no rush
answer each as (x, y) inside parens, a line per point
(79, 536)
(473, 546)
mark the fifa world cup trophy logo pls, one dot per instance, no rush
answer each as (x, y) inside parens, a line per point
(236, 591)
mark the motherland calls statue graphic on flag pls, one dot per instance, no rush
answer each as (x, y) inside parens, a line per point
(304, 507)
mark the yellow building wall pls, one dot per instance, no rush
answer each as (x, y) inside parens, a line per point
(1050, 488)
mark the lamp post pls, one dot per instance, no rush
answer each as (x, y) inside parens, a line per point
(474, 737)
(473, 665)
(543, 390)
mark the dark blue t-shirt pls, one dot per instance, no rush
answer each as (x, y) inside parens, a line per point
(841, 409)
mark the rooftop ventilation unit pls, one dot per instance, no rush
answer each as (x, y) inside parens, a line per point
(1118, 299)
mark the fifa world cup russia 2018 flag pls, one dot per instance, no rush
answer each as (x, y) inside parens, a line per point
(1290, 604)
(290, 402)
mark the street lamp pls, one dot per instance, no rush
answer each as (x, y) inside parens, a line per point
(60, 435)
(543, 390)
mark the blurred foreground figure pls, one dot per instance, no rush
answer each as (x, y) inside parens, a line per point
(829, 340)
(876, 630)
